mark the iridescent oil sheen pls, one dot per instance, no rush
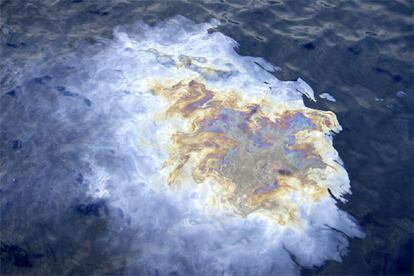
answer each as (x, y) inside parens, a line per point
(260, 162)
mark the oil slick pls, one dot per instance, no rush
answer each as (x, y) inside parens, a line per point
(234, 149)
(272, 161)
(207, 163)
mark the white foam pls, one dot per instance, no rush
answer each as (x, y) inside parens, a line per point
(327, 97)
(174, 231)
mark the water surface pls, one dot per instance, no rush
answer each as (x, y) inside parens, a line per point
(360, 53)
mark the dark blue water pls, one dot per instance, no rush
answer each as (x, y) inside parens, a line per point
(360, 52)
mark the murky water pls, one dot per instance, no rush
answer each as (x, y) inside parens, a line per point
(53, 222)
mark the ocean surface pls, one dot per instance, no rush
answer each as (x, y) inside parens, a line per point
(357, 56)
